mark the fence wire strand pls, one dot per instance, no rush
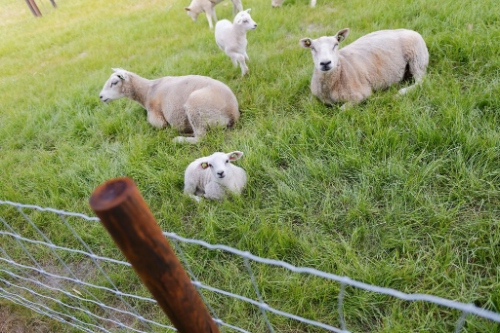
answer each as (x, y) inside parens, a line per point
(71, 298)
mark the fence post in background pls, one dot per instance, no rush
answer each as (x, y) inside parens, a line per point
(53, 3)
(126, 216)
(34, 8)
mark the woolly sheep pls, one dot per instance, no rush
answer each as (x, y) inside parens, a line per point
(213, 175)
(189, 103)
(232, 38)
(374, 61)
(208, 6)
(278, 3)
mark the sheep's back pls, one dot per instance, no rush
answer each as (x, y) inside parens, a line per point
(380, 57)
(224, 33)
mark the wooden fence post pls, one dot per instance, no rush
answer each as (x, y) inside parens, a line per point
(126, 216)
(34, 8)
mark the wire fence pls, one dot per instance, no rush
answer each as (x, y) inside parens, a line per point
(81, 280)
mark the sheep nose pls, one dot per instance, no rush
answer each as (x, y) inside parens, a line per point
(221, 174)
(325, 65)
(100, 96)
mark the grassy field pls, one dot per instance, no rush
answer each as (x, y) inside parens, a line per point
(397, 192)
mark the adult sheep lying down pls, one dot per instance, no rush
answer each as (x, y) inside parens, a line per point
(190, 104)
(372, 62)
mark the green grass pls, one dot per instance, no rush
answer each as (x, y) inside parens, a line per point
(397, 192)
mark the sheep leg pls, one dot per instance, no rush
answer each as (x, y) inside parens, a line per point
(208, 14)
(240, 58)
(200, 114)
(214, 15)
(417, 70)
(190, 189)
(237, 7)
(156, 119)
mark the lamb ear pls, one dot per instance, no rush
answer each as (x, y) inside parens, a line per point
(306, 42)
(248, 10)
(235, 155)
(204, 165)
(342, 34)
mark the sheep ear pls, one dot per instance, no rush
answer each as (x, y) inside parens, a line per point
(306, 42)
(235, 155)
(342, 34)
(204, 165)
(248, 10)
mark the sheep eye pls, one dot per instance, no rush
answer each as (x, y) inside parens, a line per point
(245, 21)
(210, 165)
(113, 83)
(227, 161)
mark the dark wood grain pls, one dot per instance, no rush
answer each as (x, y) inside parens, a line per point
(129, 221)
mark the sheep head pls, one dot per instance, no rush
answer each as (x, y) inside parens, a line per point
(113, 87)
(219, 163)
(244, 20)
(325, 49)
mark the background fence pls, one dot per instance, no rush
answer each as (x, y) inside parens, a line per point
(84, 282)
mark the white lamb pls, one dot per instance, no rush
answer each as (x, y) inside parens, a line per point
(189, 103)
(278, 3)
(208, 6)
(213, 175)
(232, 38)
(374, 61)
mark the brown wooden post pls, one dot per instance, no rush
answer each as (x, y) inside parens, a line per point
(127, 218)
(34, 8)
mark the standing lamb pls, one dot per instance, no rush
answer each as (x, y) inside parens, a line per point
(208, 6)
(278, 3)
(232, 38)
(213, 175)
(189, 103)
(374, 61)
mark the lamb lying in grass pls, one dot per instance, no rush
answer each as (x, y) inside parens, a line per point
(189, 103)
(375, 61)
(232, 38)
(212, 176)
(208, 6)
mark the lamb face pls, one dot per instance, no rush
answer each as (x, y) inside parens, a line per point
(244, 19)
(219, 164)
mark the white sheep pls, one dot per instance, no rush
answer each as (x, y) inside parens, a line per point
(278, 3)
(189, 103)
(208, 6)
(213, 175)
(374, 61)
(232, 38)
